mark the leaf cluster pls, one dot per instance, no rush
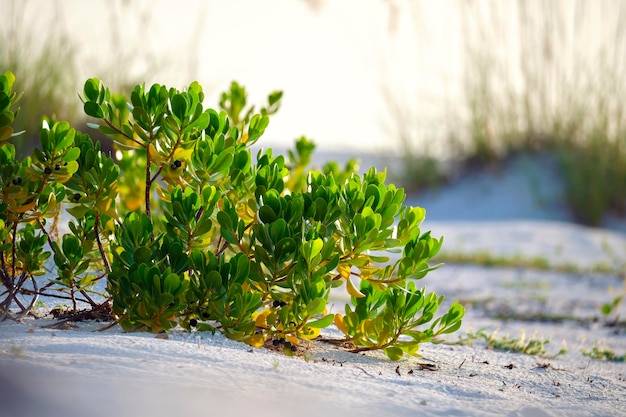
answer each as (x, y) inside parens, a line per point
(192, 229)
(8, 99)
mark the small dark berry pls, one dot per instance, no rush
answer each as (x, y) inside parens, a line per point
(193, 322)
(281, 340)
(282, 303)
(173, 167)
(276, 303)
(177, 163)
(17, 180)
(64, 164)
(288, 345)
(57, 167)
(293, 348)
(76, 196)
(48, 171)
(275, 342)
(205, 316)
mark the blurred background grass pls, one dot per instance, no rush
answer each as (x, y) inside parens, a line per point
(558, 88)
(453, 86)
(41, 43)
(44, 65)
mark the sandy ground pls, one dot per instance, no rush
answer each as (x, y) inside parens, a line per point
(77, 372)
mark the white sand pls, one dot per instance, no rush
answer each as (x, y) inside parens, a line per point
(77, 372)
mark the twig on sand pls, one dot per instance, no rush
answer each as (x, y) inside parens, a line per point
(365, 372)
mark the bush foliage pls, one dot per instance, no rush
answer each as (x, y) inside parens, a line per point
(190, 228)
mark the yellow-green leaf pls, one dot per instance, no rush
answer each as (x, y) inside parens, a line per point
(353, 290)
(5, 132)
(393, 353)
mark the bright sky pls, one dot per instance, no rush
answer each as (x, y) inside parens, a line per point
(334, 63)
(346, 67)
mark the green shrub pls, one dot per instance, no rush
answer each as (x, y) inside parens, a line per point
(190, 229)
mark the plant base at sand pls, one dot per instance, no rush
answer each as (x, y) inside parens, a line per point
(191, 229)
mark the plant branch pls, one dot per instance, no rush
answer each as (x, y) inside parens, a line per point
(41, 292)
(148, 182)
(117, 130)
(96, 228)
(43, 229)
(32, 301)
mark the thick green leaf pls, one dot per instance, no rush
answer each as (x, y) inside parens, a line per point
(316, 306)
(322, 322)
(267, 214)
(78, 211)
(203, 227)
(394, 353)
(179, 106)
(171, 283)
(285, 247)
(311, 249)
(71, 245)
(92, 89)
(71, 155)
(142, 255)
(226, 228)
(201, 123)
(213, 280)
(93, 109)
(142, 118)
